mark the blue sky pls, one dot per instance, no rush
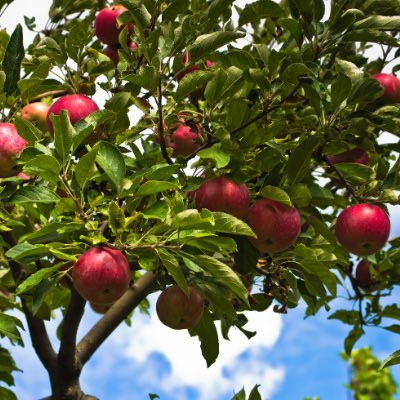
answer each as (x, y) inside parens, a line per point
(290, 357)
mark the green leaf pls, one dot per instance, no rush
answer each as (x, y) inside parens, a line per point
(393, 359)
(260, 9)
(227, 223)
(111, 161)
(370, 35)
(208, 336)
(151, 187)
(299, 161)
(173, 268)
(27, 130)
(116, 218)
(86, 169)
(346, 316)
(12, 60)
(192, 219)
(349, 69)
(217, 154)
(9, 327)
(255, 394)
(246, 257)
(352, 338)
(33, 194)
(379, 22)
(340, 90)
(7, 394)
(47, 167)
(34, 279)
(300, 195)
(365, 90)
(205, 44)
(24, 250)
(191, 82)
(355, 173)
(63, 134)
(277, 194)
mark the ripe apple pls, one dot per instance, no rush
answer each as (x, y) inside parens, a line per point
(100, 308)
(105, 24)
(356, 155)
(11, 146)
(363, 275)
(222, 194)
(36, 113)
(112, 51)
(186, 59)
(78, 106)
(363, 229)
(391, 84)
(101, 275)
(178, 311)
(275, 224)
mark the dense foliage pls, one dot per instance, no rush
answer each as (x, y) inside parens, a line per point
(267, 100)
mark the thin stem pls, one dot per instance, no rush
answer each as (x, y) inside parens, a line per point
(161, 138)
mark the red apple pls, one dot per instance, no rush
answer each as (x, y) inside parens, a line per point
(100, 308)
(363, 229)
(363, 275)
(391, 84)
(356, 155)
(78, 106)
(36, 113)
(112, 51)
(23, 176)
(101, 275)
(275, 224)
(178, 311)
(221, 194)
(105, 24)
(11, 146)
(186, 59)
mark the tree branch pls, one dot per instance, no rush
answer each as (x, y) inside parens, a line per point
(40, 339)
(161, 138)
(67, 354)
(114, 316)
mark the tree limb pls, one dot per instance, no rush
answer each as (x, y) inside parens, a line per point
(114, 316)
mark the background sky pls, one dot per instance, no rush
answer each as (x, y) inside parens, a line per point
(290, 357)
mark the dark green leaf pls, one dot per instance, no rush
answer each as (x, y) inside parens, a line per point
(63, 134)
(277, 194)
(173, 268)
(47, 167)
(151, 187)
(393, 359)
(260, 9)
(33, 194)
(9, 327)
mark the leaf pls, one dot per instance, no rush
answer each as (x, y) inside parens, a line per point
(300, 195)
(111, 161)
(191, 82)
(365, 90)
(227, 223)
(86, 169)
(277, 194)
(33, 194)
(208, 336)
(205, 44)
(34, 279)
(7, 394)
(217, 154)
(223, 274)
(192, 219)
(340, 90)
(24, 250)
(246, 257)
(350, 69)
(63, 134)
(258, 10)
(151, 187)
(173, 268)
(27, 130)
(355, 173)
(352, 338)
(255, 394)
(379, 22)
(299, 161)
(9, 327)
(47, 167)
(346, 316)
(116, 218)
(12, 60)
(393, 359)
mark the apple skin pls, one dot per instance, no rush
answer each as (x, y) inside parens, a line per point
(36, 113)
(222, 194)
(105, 24)
(186, 59)
(178, 311)
(363, 229)
(100, 308)
(363, 275)
(356, 155)
(391, 84)
(112, 52)
(11, 145)
(275, 224)
(101, 275)
(78, 106)
(23, 176)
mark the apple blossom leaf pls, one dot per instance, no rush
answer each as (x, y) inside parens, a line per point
(217, 154)
(299, 160)
(352, 338)
(47, 167)
(227, 223)
(340, 90)
(277, 194)
(12, 60)
(27, 130)
(260, 9)
(393, 359)
(191, 82)
(33, 194)
(9, 326)
(208, 336)
(173, 268)
(207, 43)
(86, 169)
(111, 161)
(35, 279)
(26, 250)
(152, 187)
(63, 134)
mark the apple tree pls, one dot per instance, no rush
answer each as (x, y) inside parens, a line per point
(230, 155)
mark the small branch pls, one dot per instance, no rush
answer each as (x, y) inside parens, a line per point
(67, 354)
(114, 316)
(161, 138)
(40, 339)
(52, 93)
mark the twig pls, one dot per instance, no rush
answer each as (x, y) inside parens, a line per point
(161, 138)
